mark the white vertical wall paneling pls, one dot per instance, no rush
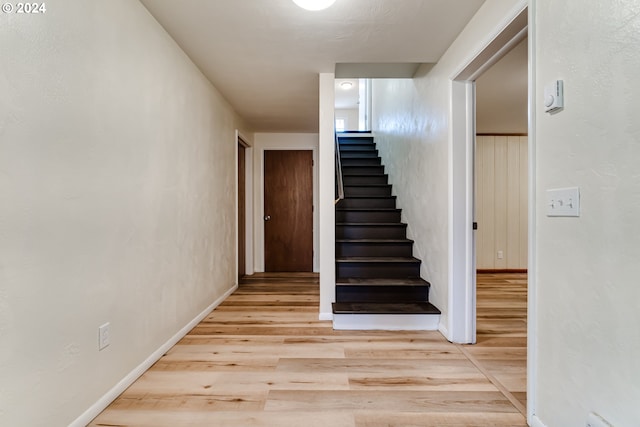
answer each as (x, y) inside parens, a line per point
(500, 212)
(501, 174)
(523, 159)
(512, 254)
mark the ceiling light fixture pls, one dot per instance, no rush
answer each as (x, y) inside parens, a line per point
(314, 4)
(346, 85)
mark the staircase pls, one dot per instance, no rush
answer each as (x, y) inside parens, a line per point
(378, 283)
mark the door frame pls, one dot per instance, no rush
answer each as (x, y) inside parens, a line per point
(248, 203)
(461, 322)
(307, 155)
(265, 142)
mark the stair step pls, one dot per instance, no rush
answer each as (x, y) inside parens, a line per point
(367, 190)
(391, 317)
(365, 179)
(374, 247)
(369, 154)
(366, 202)
(382, 290)
(377, 281)
(377, 267)
(357, 147)
(355, 140)
(367, 215)
(384, 308)
(349, 230)
(359, 170)
(345, 161)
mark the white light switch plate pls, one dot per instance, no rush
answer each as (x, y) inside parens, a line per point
(563, 202)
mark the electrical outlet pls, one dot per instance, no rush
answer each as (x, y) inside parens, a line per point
(104, 336)
(596, 420)
(500, 255)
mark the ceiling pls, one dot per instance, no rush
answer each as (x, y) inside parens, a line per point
(264, 56)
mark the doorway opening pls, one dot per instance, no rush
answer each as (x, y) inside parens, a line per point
(463, 300)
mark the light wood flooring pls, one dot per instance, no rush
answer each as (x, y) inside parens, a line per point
(263, 359)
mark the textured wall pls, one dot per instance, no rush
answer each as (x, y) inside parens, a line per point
(117, 182)
(587, 268)
(412, 124)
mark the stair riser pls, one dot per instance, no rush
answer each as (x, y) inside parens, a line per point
(384, 203)
(389, 294)
(350, 191)
(367, 216)
(370, 232)
(365, 180)
(355, 140)
(363, 170)
(348, 249)
(379, 270)
(357, 147)
(360, 162)
(359, 154)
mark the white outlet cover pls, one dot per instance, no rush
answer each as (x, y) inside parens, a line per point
(104, 338)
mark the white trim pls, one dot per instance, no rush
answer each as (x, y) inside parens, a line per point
(386, 322)
(258, 197)
(535, 422)
(532, 296)
(443, 329)
(326, 192)
(461, 316)
(95, 409)
(461, 308)
(248, 203)
(325, 316)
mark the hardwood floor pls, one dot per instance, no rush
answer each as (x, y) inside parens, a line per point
(263, 359)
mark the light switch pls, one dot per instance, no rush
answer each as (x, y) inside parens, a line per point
(563, 202)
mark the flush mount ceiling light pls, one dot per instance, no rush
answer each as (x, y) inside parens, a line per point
(314, 4)
(346, 85)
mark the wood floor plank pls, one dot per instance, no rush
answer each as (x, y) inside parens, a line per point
(263, 358)
(399, 400)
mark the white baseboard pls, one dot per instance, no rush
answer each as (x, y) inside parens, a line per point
(95, 409)
(443, 330)
(535, 422)
(325, 316)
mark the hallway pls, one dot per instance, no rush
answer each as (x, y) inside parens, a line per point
(263, 359)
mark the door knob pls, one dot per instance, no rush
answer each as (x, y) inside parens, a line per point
(267, 217)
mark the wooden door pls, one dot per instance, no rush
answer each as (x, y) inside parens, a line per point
(241, 212)
(288, 210)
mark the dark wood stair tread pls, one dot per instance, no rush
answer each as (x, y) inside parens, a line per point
(384, 308)
(354, 281)
(374, 241)
(359, 259)
(368, 224)
(368, 209)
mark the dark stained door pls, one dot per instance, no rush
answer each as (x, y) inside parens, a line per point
(241, 212)
(288, 210)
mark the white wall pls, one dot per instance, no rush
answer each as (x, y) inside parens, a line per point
(412, 125)
(281, 141)
(117, 201)
(351, 116)
(501, 202)
(502, 92)
(588, 340)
